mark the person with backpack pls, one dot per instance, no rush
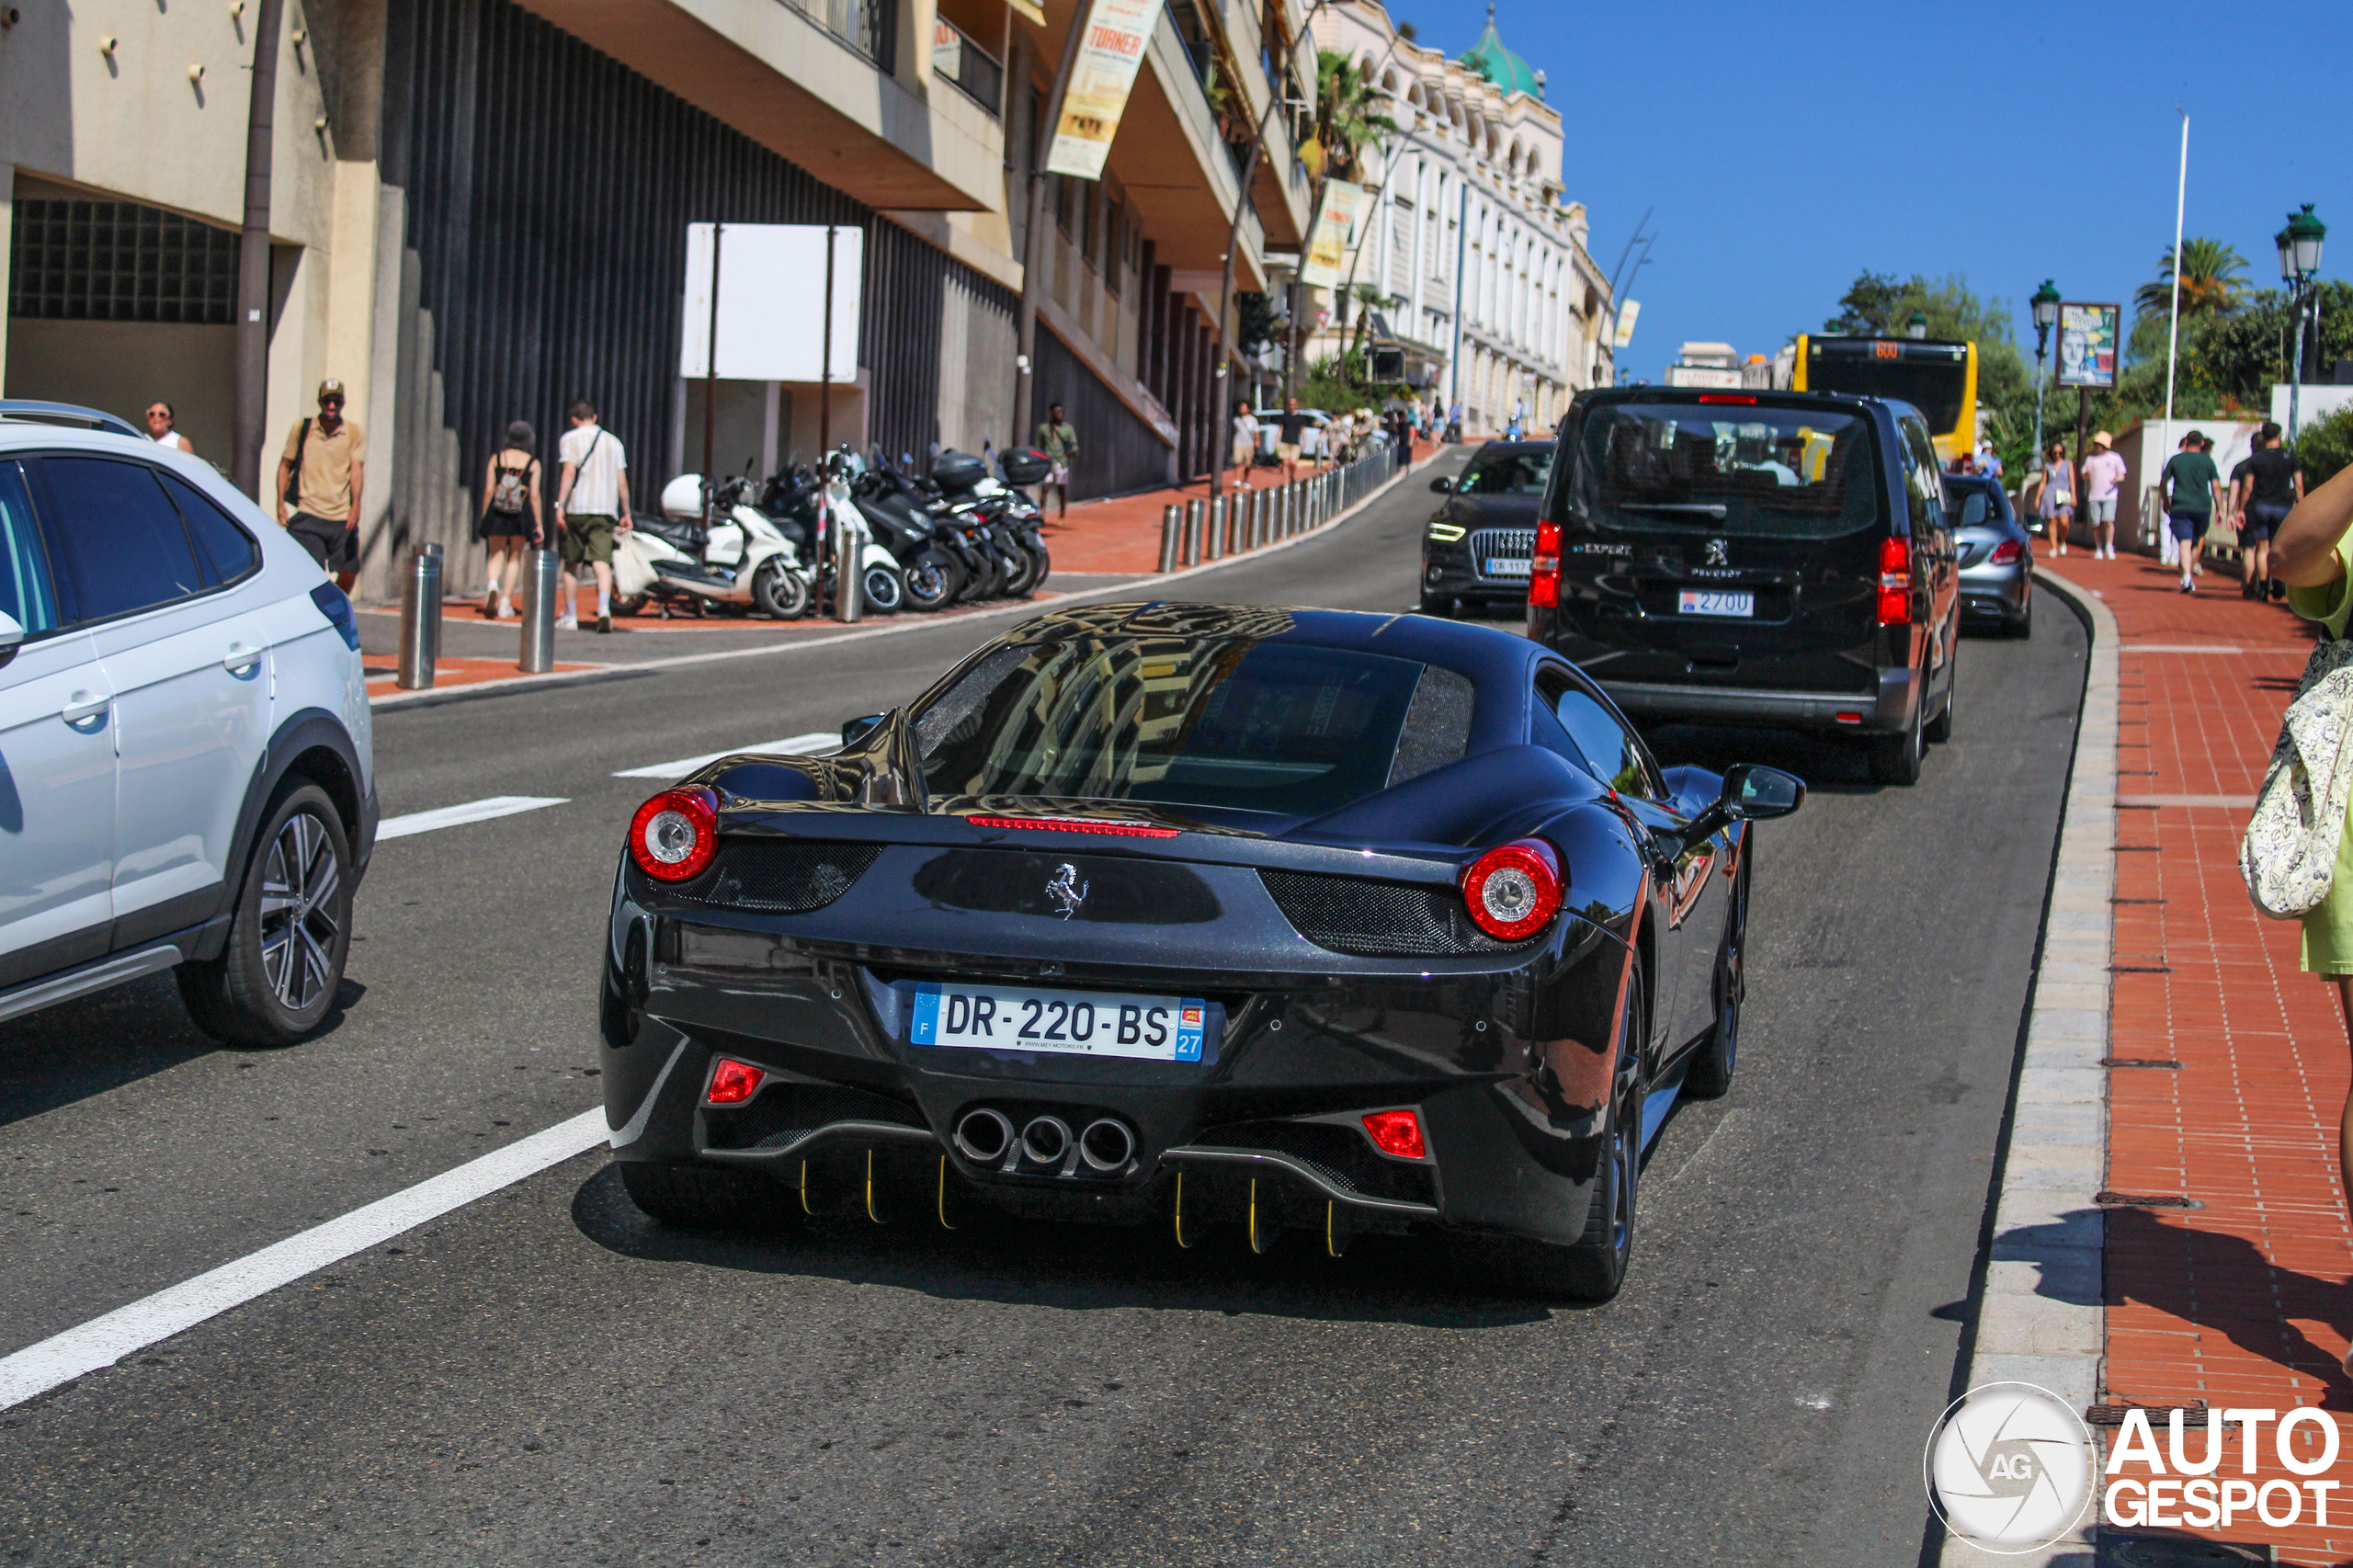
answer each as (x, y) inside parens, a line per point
(510, 517)
(319, 482)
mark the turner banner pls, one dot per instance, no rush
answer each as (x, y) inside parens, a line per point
(1321, 267)
(1117, 32)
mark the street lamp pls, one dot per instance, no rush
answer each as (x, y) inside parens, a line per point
(1917, 327)
(2045, 304)
(2298, 245)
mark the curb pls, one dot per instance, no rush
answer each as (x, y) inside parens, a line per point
(1145, 585)
(2041, 1318)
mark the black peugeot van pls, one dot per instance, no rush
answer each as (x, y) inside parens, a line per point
(1754, 558)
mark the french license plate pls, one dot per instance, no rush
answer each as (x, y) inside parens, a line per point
(1507, 566)
(1064, 1023)
(1709, 601)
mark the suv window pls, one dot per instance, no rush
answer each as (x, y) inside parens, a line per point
(1923, 485)
(228, 550)
(119, 540)
(1728, 468)
(25, 590)
(1604, 748)
(1512, 474)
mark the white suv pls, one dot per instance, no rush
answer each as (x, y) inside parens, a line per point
(186, 777)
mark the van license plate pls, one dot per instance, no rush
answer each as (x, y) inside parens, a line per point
(1707, 601)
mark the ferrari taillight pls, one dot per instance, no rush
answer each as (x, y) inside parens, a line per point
(2006, 552)
(1397, 1133)
(1896, 582)
(675, 835)
(1514, 889)
(1544, 566)
(733, 1082)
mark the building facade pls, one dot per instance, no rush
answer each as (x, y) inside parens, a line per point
(478, 213)
(1485, 288)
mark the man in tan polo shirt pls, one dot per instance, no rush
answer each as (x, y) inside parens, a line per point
(319, 479)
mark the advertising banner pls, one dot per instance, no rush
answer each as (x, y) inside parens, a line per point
(1326, 257)
(1626, 314)
(2087, 343)
(1118, 31)
(771, 302)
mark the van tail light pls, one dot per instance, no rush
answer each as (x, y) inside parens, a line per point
(1544, 566)
(2006, 552)
(675, 835)
(1896, 582)
(1513, 890)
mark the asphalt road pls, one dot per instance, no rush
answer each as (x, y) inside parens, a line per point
(547, 1377)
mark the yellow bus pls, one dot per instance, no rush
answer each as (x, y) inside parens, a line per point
(1940, 379)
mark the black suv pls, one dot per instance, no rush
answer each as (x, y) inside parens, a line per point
(1768, 558)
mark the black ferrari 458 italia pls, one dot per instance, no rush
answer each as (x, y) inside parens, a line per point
(1293, 921)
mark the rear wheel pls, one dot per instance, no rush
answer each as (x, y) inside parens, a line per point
(1939, 729)
(1709, 1073)
(2023, 627)
(1895, 759)
(934, 579)
(780, 591)
(1044, 561)
(1020, 574)
(633, 604)
(289, 933)
(696, 1198)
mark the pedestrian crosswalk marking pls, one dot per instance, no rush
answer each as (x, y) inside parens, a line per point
(452, 816)
(814, 741)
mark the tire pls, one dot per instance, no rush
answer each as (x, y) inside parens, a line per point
(779, 592)
(290, 932)
(1710, 1074)
(881, 592)
(696, 1198)
(634, 604)
(2023, 627)
(980, 578)
(1939, 729)
(1895, 759)
(1592, 1268)
(1018, 579)
(1045, 561)
(934, 580)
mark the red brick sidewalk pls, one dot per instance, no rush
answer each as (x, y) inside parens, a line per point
(2242, 1302)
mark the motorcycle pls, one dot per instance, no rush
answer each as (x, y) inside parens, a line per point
(708, 550)
(999, 525)
(805, 504)
(942, 560)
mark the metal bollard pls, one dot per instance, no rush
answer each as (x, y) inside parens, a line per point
(1172, 535)
(420, 620)
(542, 585)
(1216, 549)
(851, 536)
(1192, 533)
(1258, 519)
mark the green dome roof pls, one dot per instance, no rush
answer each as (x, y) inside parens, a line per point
(1500, 65)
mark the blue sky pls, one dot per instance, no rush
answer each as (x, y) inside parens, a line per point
(1787, 147)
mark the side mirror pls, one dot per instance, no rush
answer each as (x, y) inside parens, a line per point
(1752, 793)
(857, 730)
(1443, 485)
(11, 633)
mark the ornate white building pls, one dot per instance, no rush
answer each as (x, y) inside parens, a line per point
(1489, 293)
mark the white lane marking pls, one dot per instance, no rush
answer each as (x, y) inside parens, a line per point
(799, 746)
(106, 1339)
(473, 811)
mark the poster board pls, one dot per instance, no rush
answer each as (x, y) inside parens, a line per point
(1117, 32)
(1627, 315)
(772, 301)
(1328, 253)
(2087, 343)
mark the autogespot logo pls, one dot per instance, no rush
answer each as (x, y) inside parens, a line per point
(2009, 1467)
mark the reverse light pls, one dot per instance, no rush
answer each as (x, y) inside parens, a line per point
(1397, 1133)
(1116, 827)
(1544, 566)
(733, 1082)
(1513, 890)
(675, 835)
(2006, 552)
(1896, 582)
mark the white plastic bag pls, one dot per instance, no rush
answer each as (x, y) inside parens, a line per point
(2288, 855)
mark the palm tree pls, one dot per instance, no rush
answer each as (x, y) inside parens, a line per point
(1348, 122)
(2212, 274)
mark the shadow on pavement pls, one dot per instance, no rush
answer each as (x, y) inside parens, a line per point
(1083, 1267)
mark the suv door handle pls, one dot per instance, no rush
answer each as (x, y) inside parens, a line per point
(83, 705)
(240, 658)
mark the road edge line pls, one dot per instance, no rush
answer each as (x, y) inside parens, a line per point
(106, 1339)
(2059, 1108)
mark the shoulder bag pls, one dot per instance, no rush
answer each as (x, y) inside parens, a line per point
(2288, 855)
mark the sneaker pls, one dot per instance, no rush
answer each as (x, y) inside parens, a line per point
(2279, 589)
(2186, 587)
(567, 623)
(603, 623)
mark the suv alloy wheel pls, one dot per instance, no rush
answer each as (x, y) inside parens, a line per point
(290, 931)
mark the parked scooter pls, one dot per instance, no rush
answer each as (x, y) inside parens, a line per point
(708, 550)
(803, 506)
(941, 562)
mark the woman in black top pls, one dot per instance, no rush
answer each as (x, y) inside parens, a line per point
(2264, 490)
(510, 517)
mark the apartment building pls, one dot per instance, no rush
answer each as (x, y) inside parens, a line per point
(1488, 293)
(478, 213)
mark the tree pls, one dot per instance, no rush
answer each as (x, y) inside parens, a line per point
(1879, 304)
(2213, 274)
(1347, 122)
(2325, 447)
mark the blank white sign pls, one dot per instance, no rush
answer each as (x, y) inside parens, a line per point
(772, 301)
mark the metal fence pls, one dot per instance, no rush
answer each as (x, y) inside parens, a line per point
(864, 25)
(955, 58)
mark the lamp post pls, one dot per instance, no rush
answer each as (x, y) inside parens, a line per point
(1917, 327)
(2298, 245)
(2046, 316)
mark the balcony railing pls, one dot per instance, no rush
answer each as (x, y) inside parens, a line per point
(871, 27)
(964, 64)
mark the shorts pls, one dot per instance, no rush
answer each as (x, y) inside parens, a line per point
(333, 545)
(1287, 451)
(1243, 452)
(2103, 509)
(2263, 519)
(505, 525)
(2186, 527)
(1059, 474)
(587, 538)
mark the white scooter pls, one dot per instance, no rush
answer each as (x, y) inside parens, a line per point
(732, 556)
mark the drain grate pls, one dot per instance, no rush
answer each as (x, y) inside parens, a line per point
(2139, 1061)
(2143, 1201)
(2139, 969)
(2178, 1552)
(2112, 1414)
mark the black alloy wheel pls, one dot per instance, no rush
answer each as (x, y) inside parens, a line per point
(1895, 759)
(1939, 729)
(1709, 1073)
(289, 933)
(934, 578)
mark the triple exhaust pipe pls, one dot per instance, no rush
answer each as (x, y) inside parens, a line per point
(987, 1137)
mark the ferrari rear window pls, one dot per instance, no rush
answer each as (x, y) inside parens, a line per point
(1224, 723)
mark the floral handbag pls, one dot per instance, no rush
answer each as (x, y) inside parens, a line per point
(2288, 855)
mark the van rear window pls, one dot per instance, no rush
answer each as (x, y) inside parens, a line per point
(1727, 468)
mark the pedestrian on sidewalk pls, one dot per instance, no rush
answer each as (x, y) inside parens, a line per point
(1245, 442)
(2264, 489)
(591, 508)
(1058, 439)
(319, 481)
(1291, 433)
(1518, 418)
(1454, 422)
(2191, 487)
(510, 517)
(2051, 495)
(159, 427)
(2103, 474)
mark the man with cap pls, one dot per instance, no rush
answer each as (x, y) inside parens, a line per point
(2103, 474)
(319, 479)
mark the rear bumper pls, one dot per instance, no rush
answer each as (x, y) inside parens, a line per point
(1995, 593)
(1885, 711)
